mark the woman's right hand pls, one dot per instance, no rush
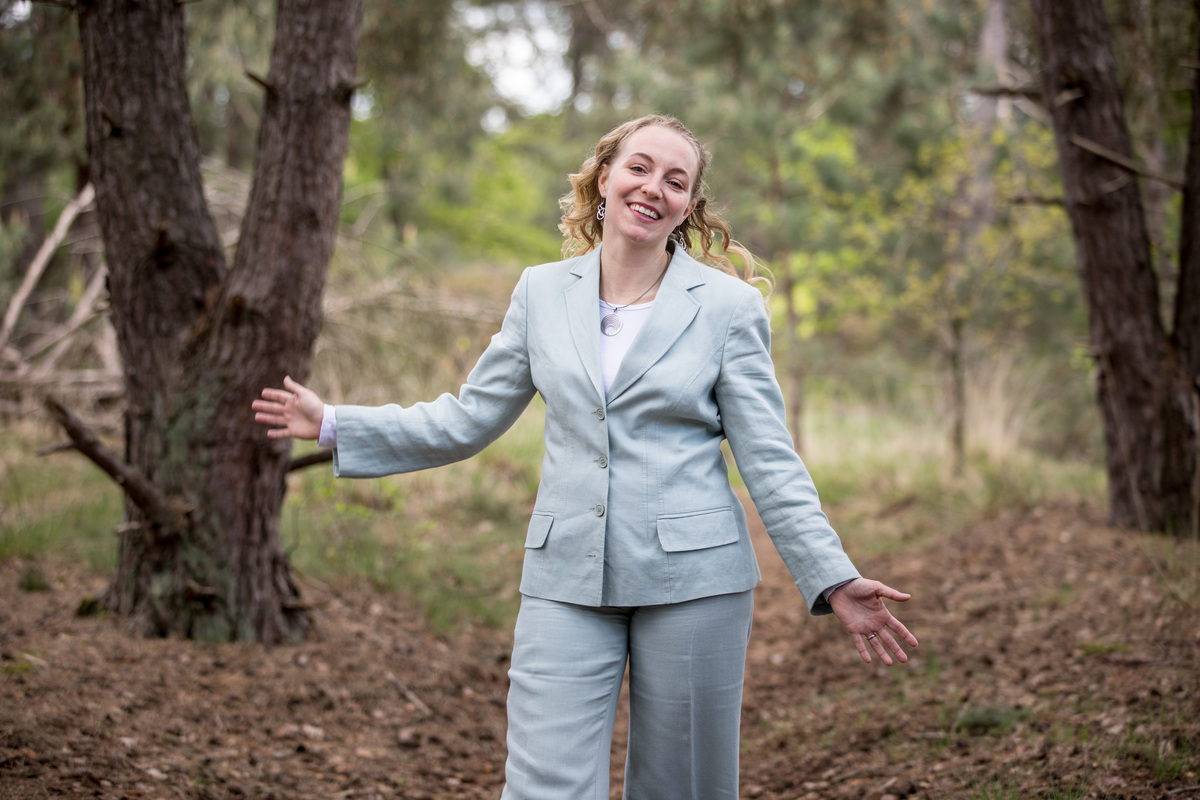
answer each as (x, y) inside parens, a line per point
(293, 411)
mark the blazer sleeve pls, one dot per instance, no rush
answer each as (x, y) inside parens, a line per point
(752, 416)
(385, 440)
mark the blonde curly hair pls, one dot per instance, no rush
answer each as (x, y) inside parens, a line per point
(703, 226)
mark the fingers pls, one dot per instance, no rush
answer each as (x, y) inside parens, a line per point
(860, 642)
(881, 643)
(883, 590)
(274, 409)
(292, 386)
(279, 396)
(904, 633)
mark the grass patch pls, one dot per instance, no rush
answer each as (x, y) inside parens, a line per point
(889, 478)
(58, 504)
(995, 788)
(986, 720)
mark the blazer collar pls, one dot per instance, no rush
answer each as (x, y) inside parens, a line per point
(674, 310)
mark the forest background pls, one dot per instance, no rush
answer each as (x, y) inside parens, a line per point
(891, 163)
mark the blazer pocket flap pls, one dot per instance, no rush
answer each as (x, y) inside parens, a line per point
(697, 530)
(539, 529)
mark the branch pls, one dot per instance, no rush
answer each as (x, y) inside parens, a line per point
(310, 460)
(101, 380)
(1028, 92)
(1123, 161)
(166, 512)
(42, 259)
(1036, 200)
(60, 337)
(261, 81)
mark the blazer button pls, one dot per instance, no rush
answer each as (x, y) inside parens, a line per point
(602, 461)
(599, 511)
(599, 412)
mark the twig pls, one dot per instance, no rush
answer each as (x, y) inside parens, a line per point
(408, 693)
(1123, 161)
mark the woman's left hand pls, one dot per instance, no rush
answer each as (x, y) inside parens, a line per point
(859, 605)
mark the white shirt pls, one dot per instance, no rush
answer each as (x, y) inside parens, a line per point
(613, 348)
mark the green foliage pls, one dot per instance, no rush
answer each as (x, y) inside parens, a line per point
(1005, 267)
(226, 45)
(502, 208)
(40, 93)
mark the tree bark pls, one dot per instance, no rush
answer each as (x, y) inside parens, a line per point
(198, 339)
(1187, 309)
(1149, 440)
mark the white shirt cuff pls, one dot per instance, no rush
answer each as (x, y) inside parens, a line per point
(328, 437)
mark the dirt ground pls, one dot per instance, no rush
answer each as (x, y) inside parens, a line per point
(1058, 658)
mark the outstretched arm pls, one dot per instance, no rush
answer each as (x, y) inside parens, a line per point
(294, 411)
(859, 606)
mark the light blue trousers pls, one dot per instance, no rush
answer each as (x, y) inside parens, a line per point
(687, 664)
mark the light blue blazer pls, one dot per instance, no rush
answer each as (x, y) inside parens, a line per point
(635, 505)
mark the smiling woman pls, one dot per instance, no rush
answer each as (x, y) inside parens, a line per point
(638, 551)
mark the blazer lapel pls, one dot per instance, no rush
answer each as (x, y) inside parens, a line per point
(583, 303)
(674, 309)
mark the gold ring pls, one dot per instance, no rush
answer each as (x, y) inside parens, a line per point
(873, 636)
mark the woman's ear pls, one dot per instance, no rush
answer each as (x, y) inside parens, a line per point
(602, 181)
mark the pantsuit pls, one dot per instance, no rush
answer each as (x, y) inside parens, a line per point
(634, 518)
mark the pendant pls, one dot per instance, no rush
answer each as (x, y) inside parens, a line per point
(610, 325)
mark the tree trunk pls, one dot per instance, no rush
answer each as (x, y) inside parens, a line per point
(1187, 318)
(1147, 411)
(197, 338)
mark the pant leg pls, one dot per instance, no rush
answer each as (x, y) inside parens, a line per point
(687, 665)
(564, 683)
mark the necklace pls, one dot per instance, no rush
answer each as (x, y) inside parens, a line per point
(610, 324)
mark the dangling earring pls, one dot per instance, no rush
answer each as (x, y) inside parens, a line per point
(600, 210)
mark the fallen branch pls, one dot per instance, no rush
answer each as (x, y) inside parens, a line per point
(168, 513)
(60, 338)
(42, 260)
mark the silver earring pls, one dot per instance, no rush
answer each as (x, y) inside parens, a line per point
(600, 210)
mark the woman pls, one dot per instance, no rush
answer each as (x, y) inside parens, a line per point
(638, 548)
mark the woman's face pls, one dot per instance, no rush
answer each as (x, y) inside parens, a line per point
(647, 188)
